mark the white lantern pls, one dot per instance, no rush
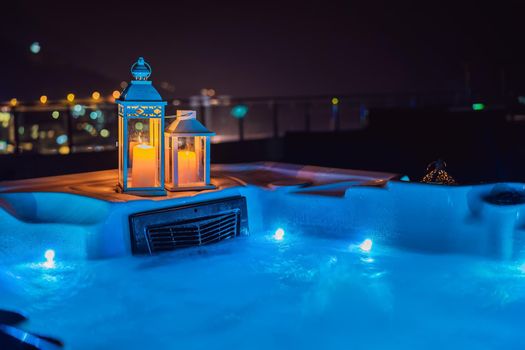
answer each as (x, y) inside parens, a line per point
(187, 154)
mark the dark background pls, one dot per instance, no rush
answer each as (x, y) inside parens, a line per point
(291, 48)
(263, 48)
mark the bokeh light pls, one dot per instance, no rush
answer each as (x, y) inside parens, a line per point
(64, 150)
(478, 106)
(35, 47)
(62, 139)
(239, 111)
(78, 111)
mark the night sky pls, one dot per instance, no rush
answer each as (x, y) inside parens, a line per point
(253, 48)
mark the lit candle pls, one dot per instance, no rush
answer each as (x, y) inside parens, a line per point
(132, 145)
(187, 166)
(144, 168)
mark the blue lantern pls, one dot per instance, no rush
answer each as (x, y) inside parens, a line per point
(140, 139)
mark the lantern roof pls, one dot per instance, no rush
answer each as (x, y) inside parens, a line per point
(140, 89)
(187, 124)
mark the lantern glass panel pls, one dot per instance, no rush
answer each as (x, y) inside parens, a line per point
(190, 161)
(168, 159)
(144, 152)
(120, 150)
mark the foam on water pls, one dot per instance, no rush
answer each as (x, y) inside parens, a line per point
(260, 292)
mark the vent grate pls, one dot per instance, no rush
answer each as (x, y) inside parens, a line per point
(187, 234)
(188, 226)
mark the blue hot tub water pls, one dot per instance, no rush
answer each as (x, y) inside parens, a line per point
(274, 290)
(404, 266)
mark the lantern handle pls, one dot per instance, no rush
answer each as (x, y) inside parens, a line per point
(186, 115)
(141, 70)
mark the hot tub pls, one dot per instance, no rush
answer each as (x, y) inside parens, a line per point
(333, 259)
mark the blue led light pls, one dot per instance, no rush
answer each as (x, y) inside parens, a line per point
(239, 111)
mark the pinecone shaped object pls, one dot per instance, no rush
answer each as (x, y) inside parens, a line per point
(436, 174)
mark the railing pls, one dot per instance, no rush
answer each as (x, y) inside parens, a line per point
(63, 128)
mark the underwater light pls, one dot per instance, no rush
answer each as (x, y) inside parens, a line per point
(50, 258)
(279, 234)
(366, 245)
(522, 268)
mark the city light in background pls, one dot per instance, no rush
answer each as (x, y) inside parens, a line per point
(478, 106)
(239, 111)
(257, 94)
(35, 47)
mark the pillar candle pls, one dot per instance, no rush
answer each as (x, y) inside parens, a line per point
(187, 167)
(144, 168)
(132, 145)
